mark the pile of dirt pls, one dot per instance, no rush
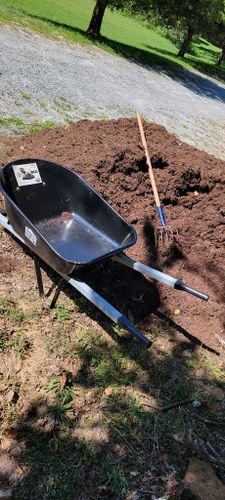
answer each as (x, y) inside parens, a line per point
(191, 183)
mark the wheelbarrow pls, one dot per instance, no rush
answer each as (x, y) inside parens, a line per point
(65, 222)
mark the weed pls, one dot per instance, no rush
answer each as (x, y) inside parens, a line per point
(26, 96)
(8, 308)
(58, 342)
(63, 405)
(64, 398)
(20, 344)
(11, 120)
(87, 450)
(3, 340)
(62, 104)
(69, 120)
(62, 313)
(113, 476)
(42, 105)
(27, 112)
(11, 412)
(191, 364)
(36, 126)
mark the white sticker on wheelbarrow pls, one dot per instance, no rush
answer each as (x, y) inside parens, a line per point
(26, 174)
(30, 235)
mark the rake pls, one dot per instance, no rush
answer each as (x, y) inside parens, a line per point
(163, 232)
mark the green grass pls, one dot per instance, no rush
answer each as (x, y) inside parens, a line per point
(18, 126)
(8, 308)
(120, 34)
(20, 344)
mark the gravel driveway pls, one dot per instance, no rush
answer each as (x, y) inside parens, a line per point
(48, 81)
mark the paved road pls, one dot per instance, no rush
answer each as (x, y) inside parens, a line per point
(47, 80)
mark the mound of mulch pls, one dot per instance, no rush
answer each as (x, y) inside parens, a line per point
(191, 184)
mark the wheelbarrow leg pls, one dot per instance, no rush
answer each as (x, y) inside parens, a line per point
(39, 277)
(106, 308)
(57, 292)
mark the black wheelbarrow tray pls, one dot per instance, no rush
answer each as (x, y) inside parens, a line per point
(66, 223)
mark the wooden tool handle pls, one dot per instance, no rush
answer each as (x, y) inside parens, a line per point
(150, 169)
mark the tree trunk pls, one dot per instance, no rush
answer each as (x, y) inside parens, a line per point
(97, 16)
(186, 42)
(221, 56)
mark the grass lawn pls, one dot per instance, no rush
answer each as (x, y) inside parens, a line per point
(120, 34)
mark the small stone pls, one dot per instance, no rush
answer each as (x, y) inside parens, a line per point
(12, 396)
(133, 496)
(5, 494)
(108, 391)
(202, 481)
(196, 404)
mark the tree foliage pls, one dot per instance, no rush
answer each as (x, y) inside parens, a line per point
(216, 33)
(189, 16)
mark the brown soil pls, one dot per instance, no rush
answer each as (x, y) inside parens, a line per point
(191, 185)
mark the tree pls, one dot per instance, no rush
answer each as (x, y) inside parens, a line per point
(188, 16)
(216, 34)
(221, 56)
(97, 17)
(99, 11)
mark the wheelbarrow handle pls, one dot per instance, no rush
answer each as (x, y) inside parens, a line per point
(180, 285)
(106, 308)
(158, 275)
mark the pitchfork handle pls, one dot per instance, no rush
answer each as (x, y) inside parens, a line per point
(148, 161)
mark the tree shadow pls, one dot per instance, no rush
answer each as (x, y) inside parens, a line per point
(115, 439)
(197, 83)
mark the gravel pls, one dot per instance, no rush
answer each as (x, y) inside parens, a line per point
(46, 82)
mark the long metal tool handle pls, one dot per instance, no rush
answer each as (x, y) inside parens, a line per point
(150, 171)
(158, 275)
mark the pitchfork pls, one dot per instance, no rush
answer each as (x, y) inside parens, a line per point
(162, 232)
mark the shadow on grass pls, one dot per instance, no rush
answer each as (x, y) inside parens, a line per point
(116, 439)
(158, 60)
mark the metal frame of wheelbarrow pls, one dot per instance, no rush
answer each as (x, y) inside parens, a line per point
(99, 301)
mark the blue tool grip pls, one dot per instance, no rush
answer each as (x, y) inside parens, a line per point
(161, 216)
